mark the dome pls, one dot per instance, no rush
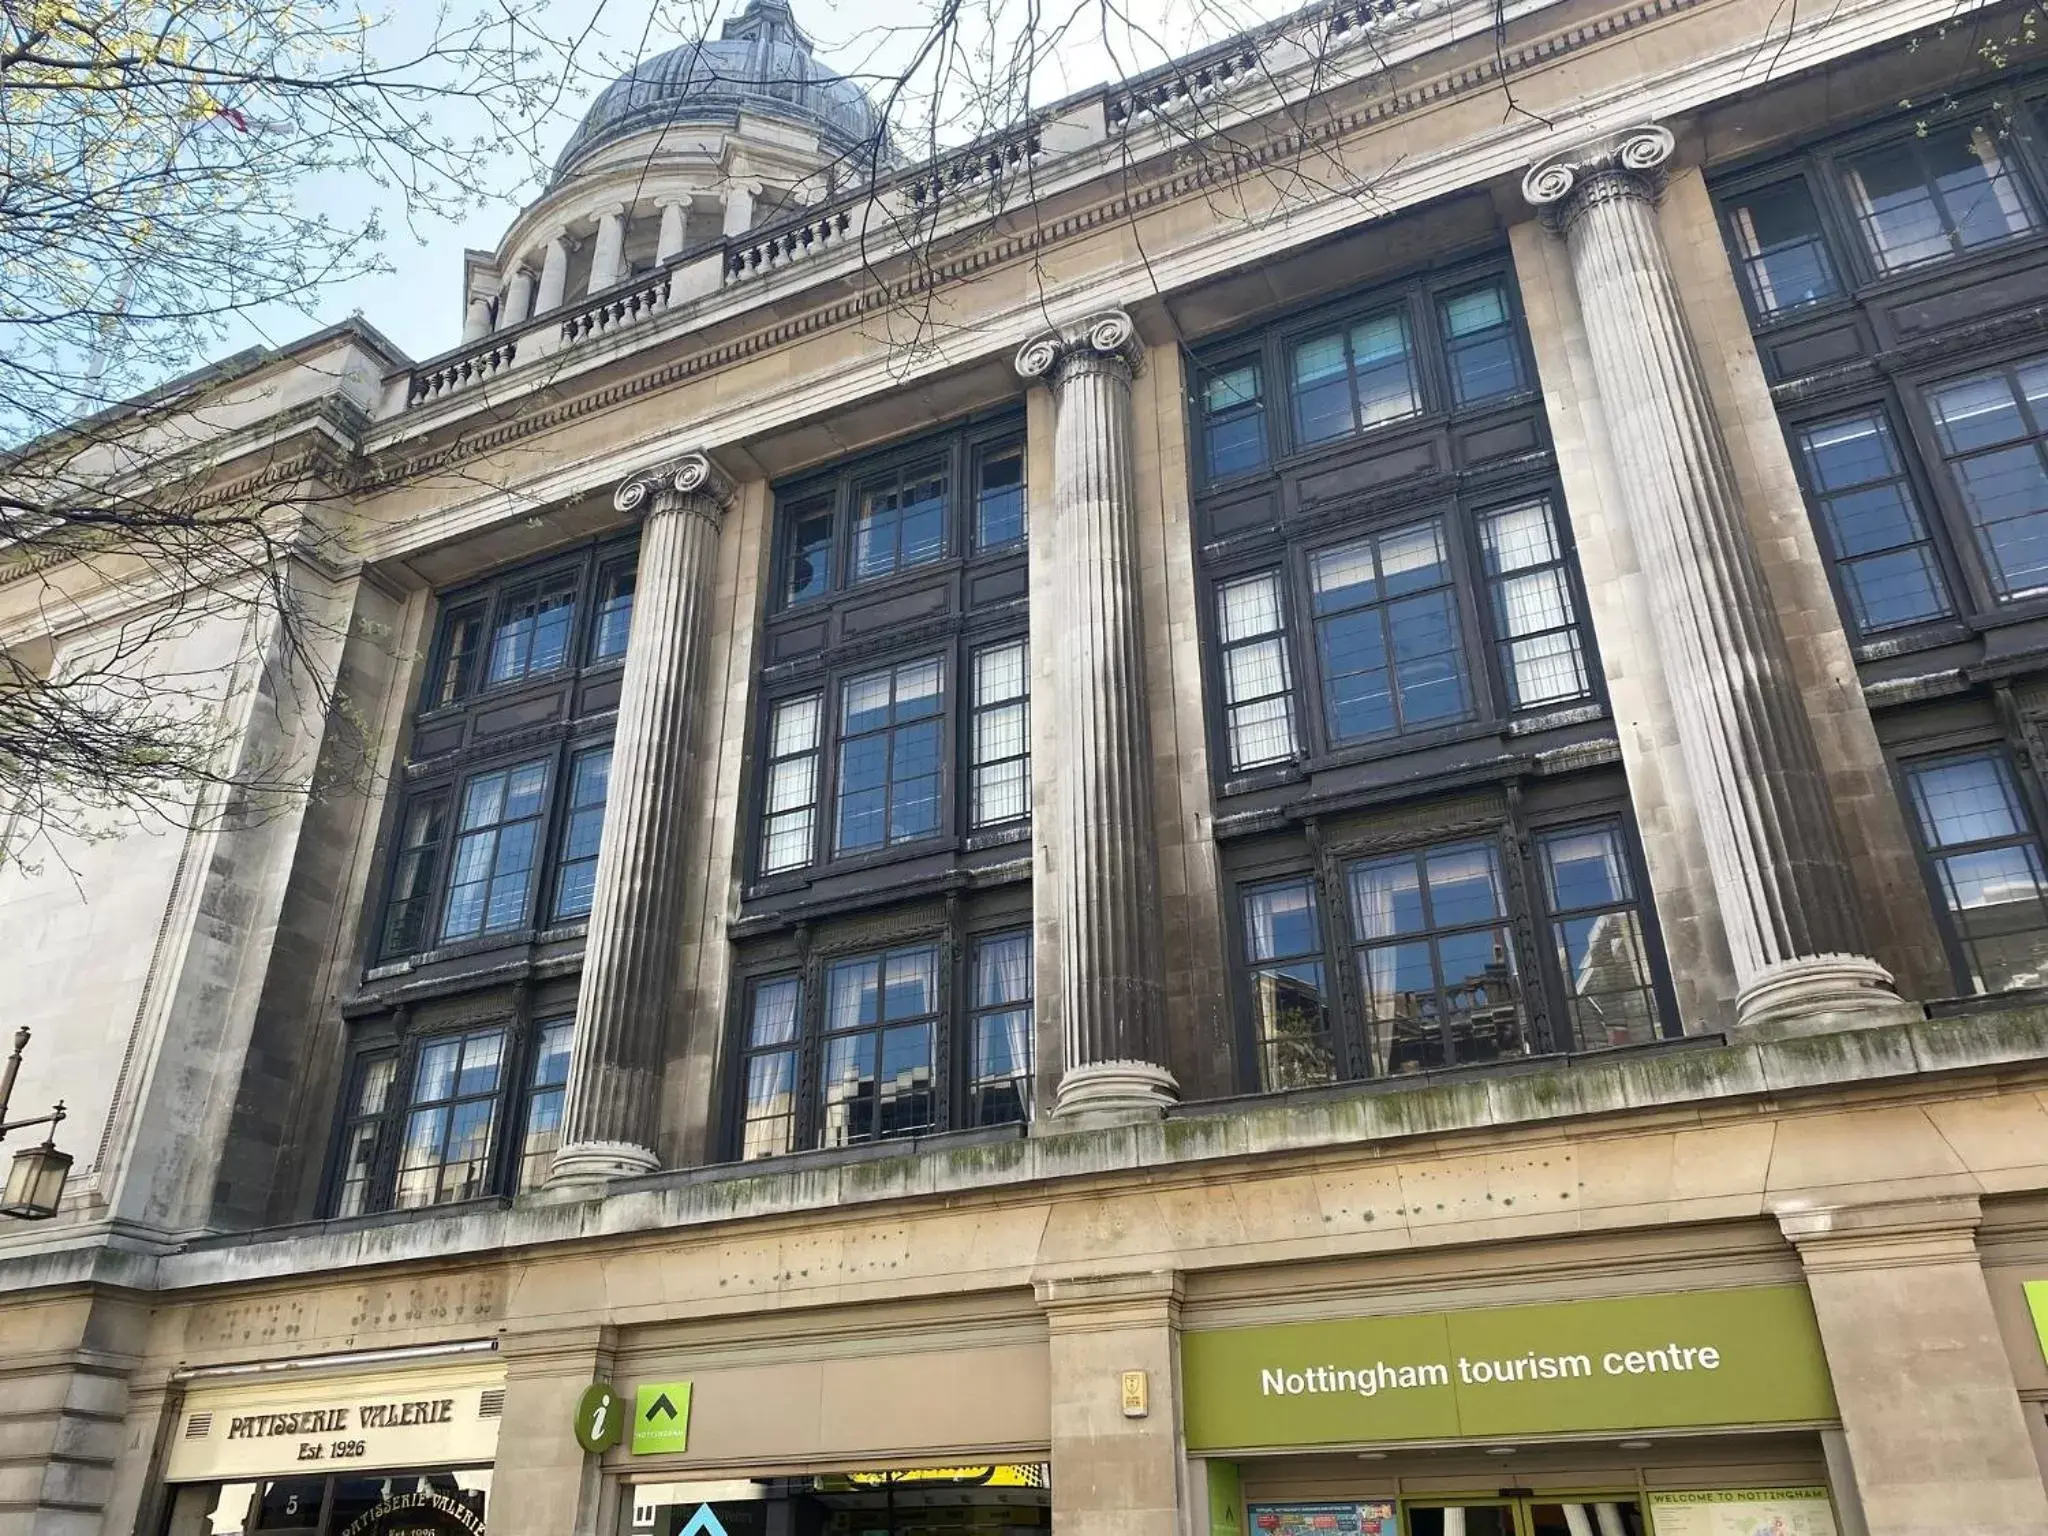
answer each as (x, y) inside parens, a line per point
(762, 64)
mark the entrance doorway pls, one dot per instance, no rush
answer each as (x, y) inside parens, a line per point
(1593, 1515)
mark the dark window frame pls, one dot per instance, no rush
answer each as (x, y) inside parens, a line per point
(577, 728)
(1950, 745)
(402, 1038)
(1515, 836)
(960, 448)
(955, 933)
(1419, 296)
(1489, 709)
(1856, 271)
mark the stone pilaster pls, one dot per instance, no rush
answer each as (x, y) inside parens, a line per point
(1780, 876)
(1104, 856)
(1936, 1438)
(1112, 1472)
(545, 1484)
(629, 960)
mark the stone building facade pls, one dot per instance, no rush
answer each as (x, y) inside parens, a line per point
(1309, 799)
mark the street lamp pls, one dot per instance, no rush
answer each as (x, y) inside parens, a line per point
(36, 1181)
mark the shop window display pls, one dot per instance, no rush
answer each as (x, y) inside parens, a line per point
(443, 1502)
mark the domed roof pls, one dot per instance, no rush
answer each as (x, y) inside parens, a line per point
(762, 64)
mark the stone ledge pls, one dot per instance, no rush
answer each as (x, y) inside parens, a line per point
(1677, 1075)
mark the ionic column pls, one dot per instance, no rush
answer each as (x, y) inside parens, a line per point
(671, 242)
(1780, 876)
(554, 274)
(1107, 864)
(609, 1117)
(476, 318)
(518, 298)
(607, 256)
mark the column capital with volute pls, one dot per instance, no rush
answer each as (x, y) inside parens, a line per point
(691, 482)
(1626, 164)
(1105, 340)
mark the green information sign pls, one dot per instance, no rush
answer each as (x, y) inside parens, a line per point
(2037, 1304)
(661, 1418)
(1749, 1356)
(600, 1418)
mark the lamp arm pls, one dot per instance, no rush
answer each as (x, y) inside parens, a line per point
(53, 1119)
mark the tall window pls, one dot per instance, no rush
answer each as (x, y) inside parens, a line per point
(1234, 420)
(769, 1069)
(1932, 195)
(1002, 734)
(1387, 634)
(999, 1081)
(485, 849)
(1992, 428)
(890, 752)
(533, 629)
(576, 867)
(999, 512)
(1479, 343)
(1258, 688)
(363, 1131)
(491, 887)
(547, 1085)
(881, 1012)
(874, 1044)
(901, 522)
(1884, 556)
(439, 1115)
(1290, 992)
(1435, 977)
(1361, 375)
(1986, 859)
(1536, 622)
(452, 1112)
(1596, 933)
(1780, 248)
(1436, 966)
(791, 804)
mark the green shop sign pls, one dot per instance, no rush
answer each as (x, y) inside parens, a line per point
(1750, 1356)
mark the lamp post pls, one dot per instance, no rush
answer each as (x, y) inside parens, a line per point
(36, 1181)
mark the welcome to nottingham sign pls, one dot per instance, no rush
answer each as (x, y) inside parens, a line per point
(1734, 1357)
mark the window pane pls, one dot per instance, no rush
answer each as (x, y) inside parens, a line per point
(1873, 524)
(412, 876)
(1989, 427)
(1988, 865)
(490, 885)
(770, 1113)
(891, 755)
(463, 638)
(1779, 246)
(544, 1103)
(808, 572)
(533, 628)
(576, 863)
(1257, 680)
(1597, 933)
(1322, 390)
(1002, 735)
(1388, 666)
(999, 499)
(792, 791)
(1290, 999)
(1447, 991)
(614, 614)
(1534, 613)
(1479, 344)
(1933, 195)
(1234, 420)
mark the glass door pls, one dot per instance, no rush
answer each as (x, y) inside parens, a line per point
(1591, 1516)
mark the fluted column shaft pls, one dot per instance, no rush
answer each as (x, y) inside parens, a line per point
(610, 1111)
(1779, 871)
(1112, 991)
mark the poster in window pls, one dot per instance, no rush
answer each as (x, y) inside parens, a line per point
(1743, 1512)
(1348, 1519)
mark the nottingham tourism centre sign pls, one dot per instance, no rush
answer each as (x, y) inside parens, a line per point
(1693, 1360)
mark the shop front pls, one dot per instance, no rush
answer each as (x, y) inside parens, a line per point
(923, 1438)
(290, 1450)
(1705, 1413)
